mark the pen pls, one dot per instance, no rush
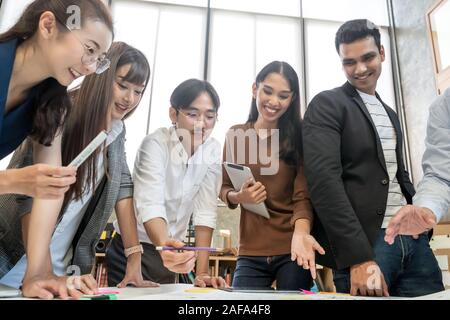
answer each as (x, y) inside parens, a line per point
(161, 248)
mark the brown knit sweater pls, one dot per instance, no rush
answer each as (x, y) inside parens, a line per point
(287, 196)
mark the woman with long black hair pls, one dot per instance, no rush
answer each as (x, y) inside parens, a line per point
(280, 248)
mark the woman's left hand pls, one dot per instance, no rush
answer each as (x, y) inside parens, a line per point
(303, 249)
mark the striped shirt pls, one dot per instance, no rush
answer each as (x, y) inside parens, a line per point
(388, 138)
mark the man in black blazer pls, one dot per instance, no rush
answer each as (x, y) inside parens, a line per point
(357, 179)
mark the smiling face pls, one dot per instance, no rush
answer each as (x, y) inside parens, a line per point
(273, 97)
(197, 119)
(125, 95)
(64, 51)
(361, 62)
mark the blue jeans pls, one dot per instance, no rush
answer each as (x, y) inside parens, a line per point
(260, 272)
(409, 267)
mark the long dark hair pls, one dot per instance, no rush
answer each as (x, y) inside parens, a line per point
(90, 116)
(52, 103)
(289, 123)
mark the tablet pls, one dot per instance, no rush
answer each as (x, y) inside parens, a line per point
(8, 292)
(94, 144)
(239, 175)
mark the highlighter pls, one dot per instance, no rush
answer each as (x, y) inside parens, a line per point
(109, 296)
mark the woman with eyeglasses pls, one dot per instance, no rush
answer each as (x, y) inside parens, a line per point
(176, 177)
(280, 248)
(52, 44)
(103, 184)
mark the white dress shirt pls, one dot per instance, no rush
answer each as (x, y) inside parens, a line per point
(170, 185)
(433, 191)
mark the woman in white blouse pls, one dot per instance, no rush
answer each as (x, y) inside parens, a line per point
(177, 174)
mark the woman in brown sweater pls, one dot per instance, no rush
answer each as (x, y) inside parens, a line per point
(280, 248)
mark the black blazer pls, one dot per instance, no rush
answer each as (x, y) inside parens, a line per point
(347, 175)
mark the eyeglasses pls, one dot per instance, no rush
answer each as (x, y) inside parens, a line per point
(90, 57)
(195, 116)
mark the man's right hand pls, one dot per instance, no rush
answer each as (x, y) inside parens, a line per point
(178, 262)
(410, 220)
(367, 280)
(40, 181)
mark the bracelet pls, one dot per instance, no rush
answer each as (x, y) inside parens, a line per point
(228, 199)
(228, 202)
(131, 250)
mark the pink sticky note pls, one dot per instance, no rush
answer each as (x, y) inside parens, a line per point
(106, 291)
(307, 292)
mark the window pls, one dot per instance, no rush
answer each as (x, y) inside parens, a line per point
(172, 39)
(195, 3)
(323, 66)
(235, 61)
(438, 28)
(243, 37)
(343, 10)
(290, 8)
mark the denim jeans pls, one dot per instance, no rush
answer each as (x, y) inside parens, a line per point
(408, 265)
(260, 272)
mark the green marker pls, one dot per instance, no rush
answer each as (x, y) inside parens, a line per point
(108, 296)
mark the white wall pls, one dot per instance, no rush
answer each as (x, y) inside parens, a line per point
(10, 11)
(416, 68)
